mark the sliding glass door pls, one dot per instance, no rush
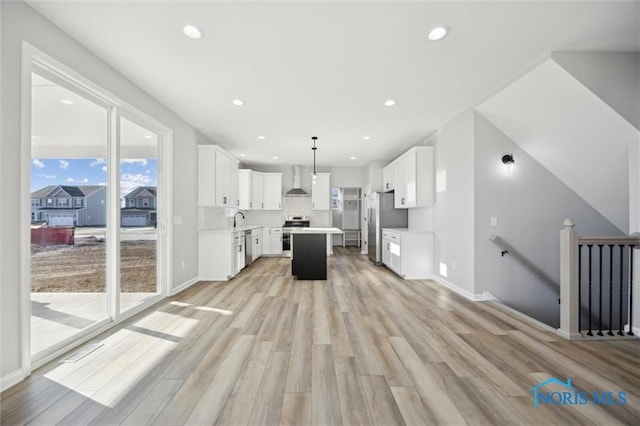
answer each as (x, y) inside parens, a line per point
(69, 200)
(139, 195)
(95, 239)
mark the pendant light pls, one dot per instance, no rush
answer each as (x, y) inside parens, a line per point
(314, 149)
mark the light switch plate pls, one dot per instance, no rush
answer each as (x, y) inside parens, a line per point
(177, 220)
(494, 221)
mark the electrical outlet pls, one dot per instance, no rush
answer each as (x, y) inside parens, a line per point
(184, 264)
(494, 221)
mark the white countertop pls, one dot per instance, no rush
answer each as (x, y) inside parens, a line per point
(309, 230)
(236, 229)
(296, 230)
(404, 230)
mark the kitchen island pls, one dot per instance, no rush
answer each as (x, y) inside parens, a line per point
(309, 252)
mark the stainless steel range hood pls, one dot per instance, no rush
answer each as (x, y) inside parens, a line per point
(296, 191)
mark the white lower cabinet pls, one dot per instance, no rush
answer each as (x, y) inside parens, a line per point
(256, 241)
(275, 235)
(219, 255)
(266, 242)
(408, 253)
(272, 241)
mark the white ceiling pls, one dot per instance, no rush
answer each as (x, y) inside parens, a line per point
(65, 124)
(325, 68)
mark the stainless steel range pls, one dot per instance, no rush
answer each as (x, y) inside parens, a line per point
(292, 222)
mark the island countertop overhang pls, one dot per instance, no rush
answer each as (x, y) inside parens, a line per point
(311, 230)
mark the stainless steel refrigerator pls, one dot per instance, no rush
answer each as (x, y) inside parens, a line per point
(382, 214)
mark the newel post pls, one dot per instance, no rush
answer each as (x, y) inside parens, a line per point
(569, 303)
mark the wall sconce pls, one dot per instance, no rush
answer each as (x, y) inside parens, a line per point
(508, 159)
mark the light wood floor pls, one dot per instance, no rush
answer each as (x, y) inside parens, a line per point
(363, 347)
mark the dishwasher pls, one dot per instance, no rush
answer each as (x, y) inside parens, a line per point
(248, 248)
(238, 248)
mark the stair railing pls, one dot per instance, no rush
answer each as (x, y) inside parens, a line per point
(607, 278)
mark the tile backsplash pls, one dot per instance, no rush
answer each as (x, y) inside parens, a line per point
(215, 217)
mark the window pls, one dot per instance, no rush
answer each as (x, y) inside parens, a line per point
(132, 202)
(35, 202)
(49, 202)
(63, 202)
(145, 202)
(78, 202)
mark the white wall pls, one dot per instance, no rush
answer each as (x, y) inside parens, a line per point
(374, 176)
(613, 76)
(530, 204)
(20, 22)
(454, 210)
(348, 177)
(421, 219)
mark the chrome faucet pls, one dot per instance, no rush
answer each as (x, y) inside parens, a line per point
(236, 215)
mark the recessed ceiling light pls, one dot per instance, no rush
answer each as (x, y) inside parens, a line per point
(192, 31)
(438, 33)
(148, 137)
(237, 102)
(366, 138)
(352, 158)
(262, 137)
(242, 155)
(275, 158)
(389, 103)
(66, 102)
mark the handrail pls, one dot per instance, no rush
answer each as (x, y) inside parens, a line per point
(507, 248)
(633, 239)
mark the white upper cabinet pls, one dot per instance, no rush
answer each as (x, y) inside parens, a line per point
(257, 191)
(321, 192)
(244, 189)
(414, 178)
(272, 191)
(223, 180)
(389, 177)
(217, 182)
(234, 196)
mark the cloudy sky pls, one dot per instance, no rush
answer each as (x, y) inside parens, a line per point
(133, 173)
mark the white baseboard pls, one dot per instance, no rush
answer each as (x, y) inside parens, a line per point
(636, 330)
(185, 285)
(461, 291)
(498, 304)
(568, 336)
(12, 379)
